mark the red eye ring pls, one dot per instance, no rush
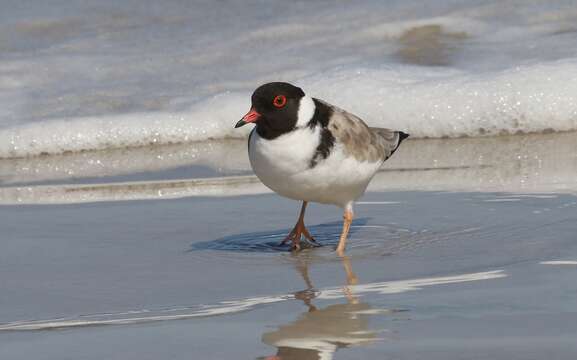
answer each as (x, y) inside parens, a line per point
(279, 101)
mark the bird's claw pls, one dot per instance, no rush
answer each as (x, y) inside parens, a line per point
(296, 235)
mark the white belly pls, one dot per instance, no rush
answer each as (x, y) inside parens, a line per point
(283, 165)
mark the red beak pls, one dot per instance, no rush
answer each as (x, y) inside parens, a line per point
(251, 117)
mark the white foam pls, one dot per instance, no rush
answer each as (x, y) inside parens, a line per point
(536, 98)
(212, 119)
(530, 99)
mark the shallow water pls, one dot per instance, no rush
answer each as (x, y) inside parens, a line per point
(426, 272)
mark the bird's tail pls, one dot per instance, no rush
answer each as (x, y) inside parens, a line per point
(400, 136)
(391, 139)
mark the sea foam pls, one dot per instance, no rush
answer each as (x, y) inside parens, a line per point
(422, 102)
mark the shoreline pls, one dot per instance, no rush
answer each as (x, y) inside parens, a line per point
(513, 164)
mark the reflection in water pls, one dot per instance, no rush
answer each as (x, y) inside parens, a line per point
(320, 332)
(353, 308)
(220, 158)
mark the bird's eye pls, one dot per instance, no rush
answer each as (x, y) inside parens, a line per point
(279, 101)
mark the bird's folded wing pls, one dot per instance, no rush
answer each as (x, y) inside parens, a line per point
(359, 140)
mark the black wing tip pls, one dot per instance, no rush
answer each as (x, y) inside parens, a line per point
(402, 136)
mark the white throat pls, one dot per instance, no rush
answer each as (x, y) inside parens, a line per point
(306, 111)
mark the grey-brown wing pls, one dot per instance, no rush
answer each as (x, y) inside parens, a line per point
(359, 140)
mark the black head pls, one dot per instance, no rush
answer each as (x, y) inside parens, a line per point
(274, 109)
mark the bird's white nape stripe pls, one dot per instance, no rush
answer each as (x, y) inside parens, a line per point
(306, 111)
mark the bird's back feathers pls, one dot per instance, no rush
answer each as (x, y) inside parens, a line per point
(360, 141)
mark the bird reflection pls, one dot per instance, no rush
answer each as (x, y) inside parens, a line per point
(320, 332)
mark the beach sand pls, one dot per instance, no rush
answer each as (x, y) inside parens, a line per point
(462, 249)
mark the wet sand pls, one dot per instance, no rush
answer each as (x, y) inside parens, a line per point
(522, 163)
(430, 273)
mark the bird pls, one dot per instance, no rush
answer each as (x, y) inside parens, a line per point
(306, 149)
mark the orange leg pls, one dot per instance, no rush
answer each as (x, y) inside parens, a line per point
(295, 235)
(347, 220)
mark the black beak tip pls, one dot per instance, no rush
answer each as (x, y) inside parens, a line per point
(240, 123)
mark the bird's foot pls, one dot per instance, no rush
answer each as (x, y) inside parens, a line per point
(296, 234)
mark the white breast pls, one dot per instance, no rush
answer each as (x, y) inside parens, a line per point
(286, 155)
(283, 164)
